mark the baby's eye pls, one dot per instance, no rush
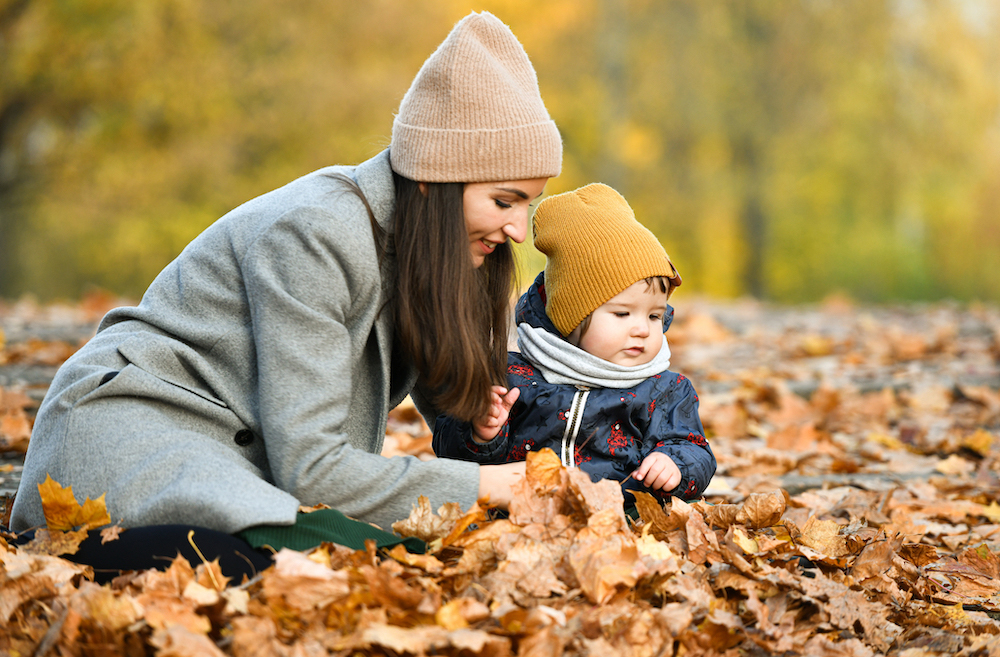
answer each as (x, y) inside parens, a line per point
(502, 204)
(655, 317)
(621, 314)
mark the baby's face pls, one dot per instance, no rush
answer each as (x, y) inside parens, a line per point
(628, 329)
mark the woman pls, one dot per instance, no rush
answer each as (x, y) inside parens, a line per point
(258, 370)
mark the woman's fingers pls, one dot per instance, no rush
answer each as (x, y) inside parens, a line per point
(496, 481)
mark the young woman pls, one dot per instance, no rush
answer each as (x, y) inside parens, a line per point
(258, 370)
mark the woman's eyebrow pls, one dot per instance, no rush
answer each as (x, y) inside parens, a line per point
(512, 190)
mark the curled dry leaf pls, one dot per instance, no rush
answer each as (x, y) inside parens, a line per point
(460, 613)
(824, 537)
(604, 563)
(655, 520)
(104, 608)
(27, 577)
(426, 562)
(111, 533)
(179, 641)
(761, 510)
(55, 543)
(601, 497)
(302, 583)
(544, 471)
(424, 524)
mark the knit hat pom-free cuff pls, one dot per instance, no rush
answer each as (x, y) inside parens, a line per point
(447, 155)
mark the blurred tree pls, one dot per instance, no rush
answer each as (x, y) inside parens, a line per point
(780, 149)
(791, 149)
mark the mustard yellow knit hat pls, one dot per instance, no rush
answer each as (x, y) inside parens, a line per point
(594, 249)
(474, 112)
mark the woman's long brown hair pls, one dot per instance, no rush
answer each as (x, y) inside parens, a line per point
(451, 318)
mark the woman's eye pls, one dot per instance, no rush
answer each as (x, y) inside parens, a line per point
(502, 204)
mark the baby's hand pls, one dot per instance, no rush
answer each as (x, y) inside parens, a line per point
(659, 472)
(486, 429)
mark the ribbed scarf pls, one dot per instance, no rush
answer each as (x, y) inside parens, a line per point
(562, 363)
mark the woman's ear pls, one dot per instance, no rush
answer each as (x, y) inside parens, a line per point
(423, 188)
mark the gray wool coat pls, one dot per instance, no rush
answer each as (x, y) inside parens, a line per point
(255, 375)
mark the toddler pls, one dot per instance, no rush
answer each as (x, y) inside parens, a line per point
(591, 379)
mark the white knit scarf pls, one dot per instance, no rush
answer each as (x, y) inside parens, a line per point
(562, 363)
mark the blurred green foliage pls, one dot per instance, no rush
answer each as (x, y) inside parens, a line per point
(782, 148)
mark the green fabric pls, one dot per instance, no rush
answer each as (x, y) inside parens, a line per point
(325, 525)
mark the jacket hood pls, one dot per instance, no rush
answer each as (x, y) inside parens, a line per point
(530, 308)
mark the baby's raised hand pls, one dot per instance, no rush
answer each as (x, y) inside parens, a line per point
(658, 471)
(486, 429)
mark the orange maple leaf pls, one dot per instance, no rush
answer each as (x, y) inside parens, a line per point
(64, 513)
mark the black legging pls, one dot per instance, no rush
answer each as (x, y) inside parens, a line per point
(142, 548)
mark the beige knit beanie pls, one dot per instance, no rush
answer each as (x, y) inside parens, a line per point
(595, 248)
(474, 112)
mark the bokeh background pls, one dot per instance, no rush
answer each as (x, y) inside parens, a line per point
(784, 149)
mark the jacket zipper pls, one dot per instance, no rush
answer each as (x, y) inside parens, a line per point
(573, 422)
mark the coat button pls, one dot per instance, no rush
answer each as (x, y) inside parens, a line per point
(243, 437)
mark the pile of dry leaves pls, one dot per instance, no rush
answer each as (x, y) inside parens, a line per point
(849, 518)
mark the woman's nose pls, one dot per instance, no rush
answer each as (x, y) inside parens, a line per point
(517, 229)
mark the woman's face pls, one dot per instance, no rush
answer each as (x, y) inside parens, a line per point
(495, 211)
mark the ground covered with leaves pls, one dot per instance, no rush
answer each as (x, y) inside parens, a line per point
(855, 512)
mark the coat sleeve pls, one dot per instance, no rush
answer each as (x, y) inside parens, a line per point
(675, 429)
(307, 284)
(453, 440)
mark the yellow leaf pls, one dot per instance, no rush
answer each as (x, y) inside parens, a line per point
(426, 562)
(458, 613)
(979, 442)
(94, 513)
(64, 513)
(954, 465)
(746, 542)
(992, 511)
(887, 441)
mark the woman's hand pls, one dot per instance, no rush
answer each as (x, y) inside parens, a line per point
(658, 472)
(501, 400)
(496, 482)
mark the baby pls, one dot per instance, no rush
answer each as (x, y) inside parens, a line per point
(591, 379)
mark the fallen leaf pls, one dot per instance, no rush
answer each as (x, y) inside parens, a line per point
(824, 537)
(63, 512)
(301, 583)
(761, 510)
(426, 525)
(111, 533)
(426, 562)
(460, 613)
(55, 543)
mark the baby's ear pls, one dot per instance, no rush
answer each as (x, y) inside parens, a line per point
(668, 318)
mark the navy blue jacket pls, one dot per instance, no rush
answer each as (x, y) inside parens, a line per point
(619, 427)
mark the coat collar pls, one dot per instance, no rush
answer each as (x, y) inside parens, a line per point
(374, 177)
